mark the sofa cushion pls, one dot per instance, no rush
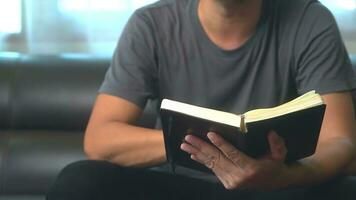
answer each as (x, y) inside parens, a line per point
(32, 159)
(54, 93)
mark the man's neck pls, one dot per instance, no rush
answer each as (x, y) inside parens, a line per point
(229, 23)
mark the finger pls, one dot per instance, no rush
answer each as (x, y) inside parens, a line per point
(204, 153)
(237, 157)
(189, 148)
(202, 146)
(197, 155)
(209, 163)
(222, 167)
(207, 154)
(277, 146)
(225, 178)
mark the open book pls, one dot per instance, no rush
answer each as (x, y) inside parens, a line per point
(298, 122)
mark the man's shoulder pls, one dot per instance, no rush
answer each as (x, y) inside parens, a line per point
(299, 5)
(162, 17)
(302, 9)
(303, 17)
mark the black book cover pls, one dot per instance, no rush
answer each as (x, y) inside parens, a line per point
(300, 131)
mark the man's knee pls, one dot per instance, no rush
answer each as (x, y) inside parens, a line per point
(83, 179)
(87, 170)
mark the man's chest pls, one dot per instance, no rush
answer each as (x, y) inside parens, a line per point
(230, 82)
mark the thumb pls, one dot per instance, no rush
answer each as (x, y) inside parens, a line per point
(277, 146)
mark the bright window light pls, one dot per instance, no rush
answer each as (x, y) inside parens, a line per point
(340, 5)
(93, 5)
(139, 3)
(102, 5)
(10, 17)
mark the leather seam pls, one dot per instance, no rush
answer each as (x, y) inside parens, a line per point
(4, 162)
(12, 93)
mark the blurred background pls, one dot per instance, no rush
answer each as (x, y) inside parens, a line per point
(93, 26)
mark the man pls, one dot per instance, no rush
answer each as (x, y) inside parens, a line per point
(233, 55)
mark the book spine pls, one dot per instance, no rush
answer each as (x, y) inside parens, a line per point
(169, 151)
(243, 127)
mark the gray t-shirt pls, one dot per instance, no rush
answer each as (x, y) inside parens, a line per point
(165, 53)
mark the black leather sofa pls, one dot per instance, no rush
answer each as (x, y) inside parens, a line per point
(45, 103)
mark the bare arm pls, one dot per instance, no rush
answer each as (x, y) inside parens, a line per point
(111, 136)
(336, 146)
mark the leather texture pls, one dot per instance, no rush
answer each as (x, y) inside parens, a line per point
(45, 104)
(34, 156)
(6, 82)
(55, 96)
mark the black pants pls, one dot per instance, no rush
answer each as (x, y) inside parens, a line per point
(100, 180)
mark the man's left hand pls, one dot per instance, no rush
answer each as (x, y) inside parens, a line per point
(235, 169)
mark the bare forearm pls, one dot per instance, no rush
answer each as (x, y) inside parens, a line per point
(331, 159)
(125, 145)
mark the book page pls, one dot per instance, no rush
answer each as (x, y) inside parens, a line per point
(308, 100)
(203, 113)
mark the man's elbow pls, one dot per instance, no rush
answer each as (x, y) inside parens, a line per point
(92, 153)
(350, 169)
(349, 147)
(91, 148)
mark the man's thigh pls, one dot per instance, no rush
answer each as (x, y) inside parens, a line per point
(101, 180)
(92, 180)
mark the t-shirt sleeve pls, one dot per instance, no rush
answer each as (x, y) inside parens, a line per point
(322, 61)
(132, 74)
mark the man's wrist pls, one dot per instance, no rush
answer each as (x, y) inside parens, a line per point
(299, 174)
(288, 177)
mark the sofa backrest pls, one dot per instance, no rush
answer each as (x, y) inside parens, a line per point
(56, 92)
(50, 92)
